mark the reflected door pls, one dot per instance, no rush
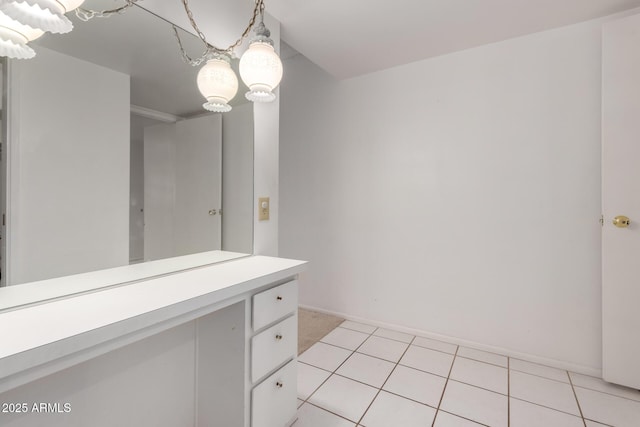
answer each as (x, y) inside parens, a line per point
(621, 197)
(182, 187)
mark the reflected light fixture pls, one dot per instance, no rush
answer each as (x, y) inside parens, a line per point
(14, 37)
(260, 66)
(22, 21)
(46, 15)
(217, 83)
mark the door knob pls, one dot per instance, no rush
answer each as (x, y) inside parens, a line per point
(621, 221)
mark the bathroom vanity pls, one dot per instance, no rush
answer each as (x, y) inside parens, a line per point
(210, 346)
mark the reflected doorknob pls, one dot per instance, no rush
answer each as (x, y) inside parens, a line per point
(621, 221)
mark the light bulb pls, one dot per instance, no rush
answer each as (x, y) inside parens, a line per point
(218, 84)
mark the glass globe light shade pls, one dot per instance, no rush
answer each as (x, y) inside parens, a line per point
(218, 84)
(14, 37)
(261, 71)
(46, 15)
(70, 5)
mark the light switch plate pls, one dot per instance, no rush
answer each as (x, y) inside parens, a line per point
(263, 209)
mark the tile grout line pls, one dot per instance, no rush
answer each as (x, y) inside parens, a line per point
(540, 376)
(544, 406)
(385, 381)
(425, 348)
(431, 373)
(482, 361)
(393, 339)
(418, 369)
(355, 330)
(354, 352)
(471, 358)
(335, 370)
(607, 393)
(455, 355)
(331, 412)
(464, 418)
(453, 361)
(573, 389)
(467, 358)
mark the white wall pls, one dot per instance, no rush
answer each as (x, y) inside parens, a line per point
(69, 160)
(136, 185)
(458, 195)
(266, 123)
(237, 179)
(220, 21)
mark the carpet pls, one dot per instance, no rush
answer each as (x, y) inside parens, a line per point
(312, 326)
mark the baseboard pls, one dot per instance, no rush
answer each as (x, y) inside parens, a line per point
(472, 344)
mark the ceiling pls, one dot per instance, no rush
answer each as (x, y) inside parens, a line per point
(346, 38)
(355, 37)
(141, 44)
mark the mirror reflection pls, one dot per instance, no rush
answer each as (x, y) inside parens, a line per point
(111, 159)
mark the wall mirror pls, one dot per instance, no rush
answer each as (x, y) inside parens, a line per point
(110, 159)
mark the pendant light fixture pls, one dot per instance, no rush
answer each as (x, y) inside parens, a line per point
(217, 83)
(14, 37)
(22, 21)
(46, 15)
(260, 66)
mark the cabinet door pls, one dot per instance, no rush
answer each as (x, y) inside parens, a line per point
(274, 401)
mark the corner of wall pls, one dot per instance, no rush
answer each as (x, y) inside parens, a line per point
(266, 165)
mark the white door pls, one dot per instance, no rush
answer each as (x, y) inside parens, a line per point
(198, 184)
(621, 197)
(182, 187)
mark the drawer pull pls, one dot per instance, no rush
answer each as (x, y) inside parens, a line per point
(279, 298)
(278, 337)
(279, 384)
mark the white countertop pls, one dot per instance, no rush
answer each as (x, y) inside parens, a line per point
(12, 297)
(38, 334)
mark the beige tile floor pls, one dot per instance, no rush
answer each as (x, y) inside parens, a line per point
(361, 375)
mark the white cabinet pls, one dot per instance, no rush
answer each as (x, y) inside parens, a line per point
(218, 343)
(273, 347)
(274, 304)
(273, 400)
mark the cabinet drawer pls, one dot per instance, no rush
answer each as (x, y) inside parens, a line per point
(274, 401)
(275, 303)
(273, 346)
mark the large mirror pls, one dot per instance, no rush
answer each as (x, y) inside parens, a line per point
(110, 158)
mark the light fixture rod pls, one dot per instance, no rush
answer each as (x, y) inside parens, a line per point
(257, 10)
(87, 14)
